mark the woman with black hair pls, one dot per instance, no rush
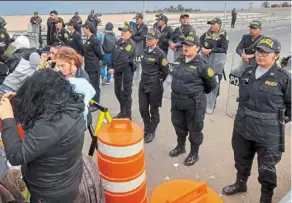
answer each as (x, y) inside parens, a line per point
(51, 113)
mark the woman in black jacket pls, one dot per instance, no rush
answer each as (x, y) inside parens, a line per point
(51, 113)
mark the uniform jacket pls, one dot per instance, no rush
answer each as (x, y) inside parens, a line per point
(36, 20)
(62, 37)
(155, 69)
(245, 43)
(51, 31)
(92, 54)
(217, 42)
(267, 94)
(123, 57)
(166, 33)
(181, 32)
(75, 42)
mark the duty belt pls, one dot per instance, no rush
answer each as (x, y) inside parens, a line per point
(255, 114)
(184, 96)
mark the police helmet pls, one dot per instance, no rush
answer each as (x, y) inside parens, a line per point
(2, 22)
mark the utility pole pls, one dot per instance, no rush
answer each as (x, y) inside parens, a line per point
(225, 4)
(144, 8)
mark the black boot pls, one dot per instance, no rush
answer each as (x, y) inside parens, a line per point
(193, 156)
(179, 149)
(122, 113)
(266, 200)
(149, 137)
(237, 187)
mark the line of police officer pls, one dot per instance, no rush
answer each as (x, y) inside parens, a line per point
(264, 97)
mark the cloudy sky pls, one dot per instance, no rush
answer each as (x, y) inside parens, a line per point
(44, 7)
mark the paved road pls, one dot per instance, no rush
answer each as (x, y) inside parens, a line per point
(216, 165)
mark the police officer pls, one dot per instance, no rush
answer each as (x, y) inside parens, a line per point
(75, 38)
(4, 39)
(37, 20)
(166, 32)
(233, 17)
(51, 28)
(122, 65)
(92, 17)
(62, 37)
(92, 57)
(246, 47)
(180, 33)
(139, 31)
(77, 19)
(215, 40)
(192, 79)
(259, 126)
(155, 25)
(154, 71)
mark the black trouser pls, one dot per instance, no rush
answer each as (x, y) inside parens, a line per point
(68, 198)
(123, 92)
(153, 99)
(233, 22)
(187, 118)
(94, 76)
(40, 36)
(268, 157)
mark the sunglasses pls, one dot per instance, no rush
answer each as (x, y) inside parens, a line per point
(261, 52)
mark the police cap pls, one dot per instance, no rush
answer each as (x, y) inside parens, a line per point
(126, 28)
(269, 45)
(35, 12)
(60, 20)
(158, 15)
(255, 24)
(215, 21)
(89, 26)
(153, 33)
(138, 15)
(191, 40)
(184, 15)
(163, 18)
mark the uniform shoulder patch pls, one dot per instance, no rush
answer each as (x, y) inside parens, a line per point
(66, 35)
(164, 62)
(227, 37)
(2, 36)
(128, 48)
(210, 72)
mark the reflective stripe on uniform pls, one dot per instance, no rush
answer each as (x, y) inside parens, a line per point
(120, 152)
(122, 187)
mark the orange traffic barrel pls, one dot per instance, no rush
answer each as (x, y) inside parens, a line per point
(121, 162)
(184, 191)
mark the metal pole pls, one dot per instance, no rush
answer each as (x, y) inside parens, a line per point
(144, 8)
(225, 4)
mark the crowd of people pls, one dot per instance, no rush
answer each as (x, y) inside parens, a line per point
(48, 91)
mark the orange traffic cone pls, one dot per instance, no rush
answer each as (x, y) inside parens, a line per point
(184, 191)
(121, 162)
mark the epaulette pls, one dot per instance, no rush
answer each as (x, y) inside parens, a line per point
(284, 71)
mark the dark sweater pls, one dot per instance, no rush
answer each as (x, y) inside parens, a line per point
(50, 154)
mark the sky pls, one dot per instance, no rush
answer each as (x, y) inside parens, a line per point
(65, 7)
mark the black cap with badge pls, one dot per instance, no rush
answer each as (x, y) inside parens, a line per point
(215, 21)
(269, 45)
(255, 24)
(153, 33)
(183, 15)
(191, 40)
(89, 25)
(138, 15)
(126, 28)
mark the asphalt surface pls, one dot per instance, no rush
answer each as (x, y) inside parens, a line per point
(216, 164)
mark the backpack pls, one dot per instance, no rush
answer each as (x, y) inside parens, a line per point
(109, 42)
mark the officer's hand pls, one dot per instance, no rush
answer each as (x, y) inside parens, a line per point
(111, 70)
(205, 52)
(173, 46)
(244, 58)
